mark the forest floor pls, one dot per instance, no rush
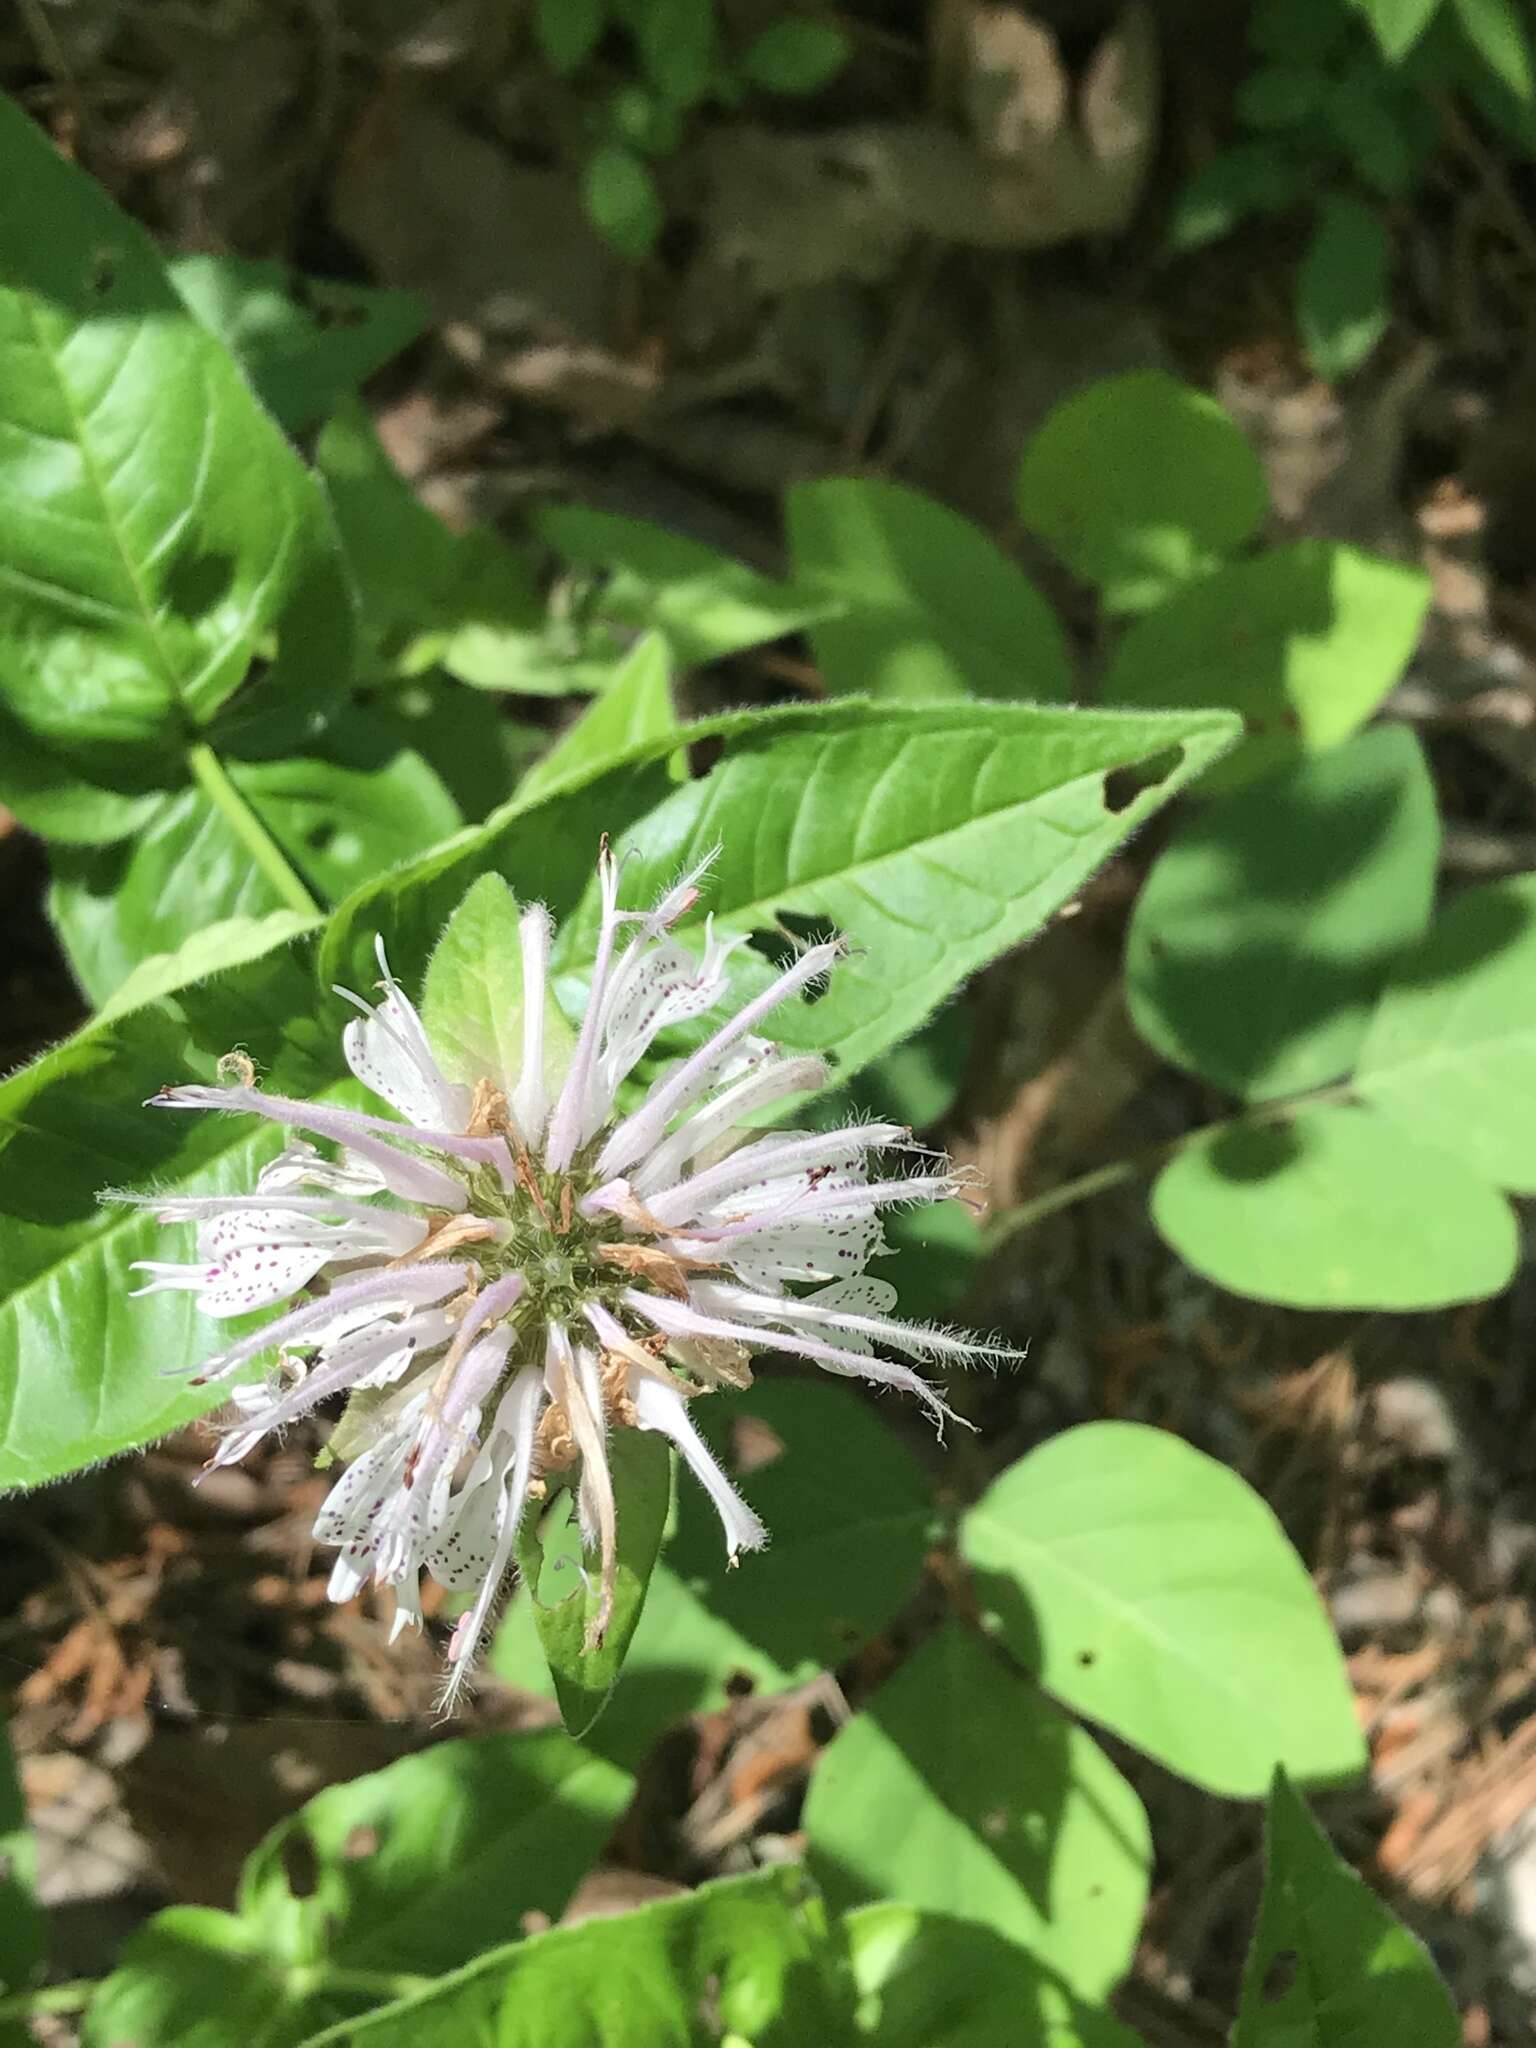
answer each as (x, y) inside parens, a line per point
(177, 1678)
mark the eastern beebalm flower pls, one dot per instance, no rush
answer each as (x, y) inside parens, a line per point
(500, 1275)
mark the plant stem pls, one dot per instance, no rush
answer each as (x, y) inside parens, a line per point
(212, 778)
(72, 1997)
(1135, 1164)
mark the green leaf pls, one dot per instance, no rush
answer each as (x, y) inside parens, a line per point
(927, 606)
(677, 41)
(926, 1981)
(1343, 299)
(635, 710)
(622, 201)
(1250, 178)
(1150, 1588)
(304, 342)
(426, 594)
(85, 1372)
(1264, 932)
(1499, 35)
(408, 1872)
(1451, 1051)
(959, 1790)
(568, 31)
(1140, 483)
(161, 532)
(83, 796)
(1304, 640)
(850, 1518)
(422, 1865)
(744, 1960)
(23, 1930)
(1398, 24)
(1331, 1966)
(1335, 1208)
(706, 604)
(933, 838)
(795, 56)
(477, 752)
(585, 1673)
(229, 943)
(1281, 95)
(338, 821)
(1368, 126)
(472, 1004)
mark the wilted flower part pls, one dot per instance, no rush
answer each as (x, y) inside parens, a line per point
(498, 1280)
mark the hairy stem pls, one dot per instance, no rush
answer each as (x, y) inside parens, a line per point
(212, 778)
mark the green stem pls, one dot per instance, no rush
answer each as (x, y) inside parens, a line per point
(72, 1997)
(1135, 1164)
(212, 778)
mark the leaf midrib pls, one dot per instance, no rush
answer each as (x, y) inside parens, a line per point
(93, 472)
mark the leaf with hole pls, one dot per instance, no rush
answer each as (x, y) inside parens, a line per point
(161, 532)
(1265, 930)
(408, 1872)
(959, 1790)
(926, 606)
(1150, 1588)
(305, 343)
(1140, 484)
(746, 1959)
(1331, 1966)
(1335, 1208)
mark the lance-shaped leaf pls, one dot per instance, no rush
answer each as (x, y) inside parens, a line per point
(160, 530)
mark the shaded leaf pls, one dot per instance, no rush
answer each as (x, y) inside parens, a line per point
(1304, 640)
(747, 1956)
(959, 1790)
(1343, 301)
(1141, 483)
(1335, 1208)
(1267, 927)
(585, 1672)
(1151, 1589)
(304, 342)
(1330, 1966)
(926, 1981)
(23, 1930)
(928, 607)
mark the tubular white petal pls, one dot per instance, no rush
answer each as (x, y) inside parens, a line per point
(648, 1125)
(569, 1113)
(770, 1082)
(411, 1286)
(763, 1158)
(680, 1321)
(530, 1104)
(518, 1419)
(663, 1408)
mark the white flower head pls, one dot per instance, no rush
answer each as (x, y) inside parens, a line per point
(500, 1276)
